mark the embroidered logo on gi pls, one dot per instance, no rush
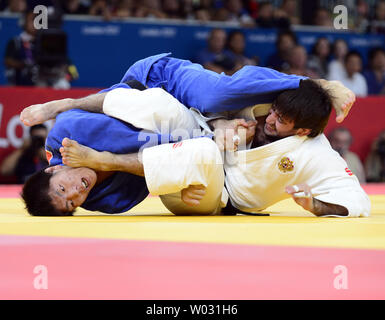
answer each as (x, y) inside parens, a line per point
(48, 155)
(285, 165)
(348, 171)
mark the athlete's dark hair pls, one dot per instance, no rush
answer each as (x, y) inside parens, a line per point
(309, 106)
(36, 198)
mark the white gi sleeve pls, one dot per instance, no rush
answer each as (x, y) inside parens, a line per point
(152, 109)
(331, 181)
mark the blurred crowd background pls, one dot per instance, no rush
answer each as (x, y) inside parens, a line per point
(27, 62)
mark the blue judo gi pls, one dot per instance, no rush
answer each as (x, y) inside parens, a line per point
(190, 84)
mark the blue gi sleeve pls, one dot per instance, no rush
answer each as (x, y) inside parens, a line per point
(208, 91)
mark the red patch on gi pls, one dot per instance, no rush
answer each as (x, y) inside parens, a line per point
(49, 155)
(176, 145)
(348, 171)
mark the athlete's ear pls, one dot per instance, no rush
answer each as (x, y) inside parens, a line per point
(303, 132)
(54, 169)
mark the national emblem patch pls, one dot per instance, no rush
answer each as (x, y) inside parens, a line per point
(285, 165)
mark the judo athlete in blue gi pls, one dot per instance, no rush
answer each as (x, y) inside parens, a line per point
(59, 190)
(195, 87)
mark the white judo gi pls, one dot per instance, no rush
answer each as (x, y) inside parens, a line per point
(255, 179)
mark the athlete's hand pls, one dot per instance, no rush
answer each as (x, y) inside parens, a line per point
(342, 97)
(301, 193)
(229, 134)
(39, 113)
(193, 194)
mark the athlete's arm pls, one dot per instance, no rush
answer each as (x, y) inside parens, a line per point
(303, 196)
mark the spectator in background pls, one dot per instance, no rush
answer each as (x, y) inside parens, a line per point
(100, 8)
(352, 78)
(150, 9)
(236, 47)
(318, 60)
(123, 9)
(298, 63)
(336, 67)
(361, 22)
(341, 139)
(16, 6)
(237, 13)
(202, 9)
(377, 25)
(288, 10)
(286, 41)
(375, 75)
(322, 18)
(375, 162)
(19, 57)
(266, 18)
(75, 7)
(31, 157)
(172, 9)
(215, 57)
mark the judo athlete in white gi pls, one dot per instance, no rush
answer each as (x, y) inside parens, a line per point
(282, 159)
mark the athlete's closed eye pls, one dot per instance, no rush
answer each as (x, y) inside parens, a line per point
(61, 188)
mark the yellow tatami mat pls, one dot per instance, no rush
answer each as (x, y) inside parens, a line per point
(288, 225)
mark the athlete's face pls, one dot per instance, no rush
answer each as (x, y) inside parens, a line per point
(69, 187)
(277, 126)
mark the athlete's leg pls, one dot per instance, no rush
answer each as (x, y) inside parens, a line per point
(169, 168)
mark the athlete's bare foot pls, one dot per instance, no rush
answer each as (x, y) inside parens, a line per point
(76, 155)
(39, 113)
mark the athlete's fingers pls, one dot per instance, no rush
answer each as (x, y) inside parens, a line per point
(196, 191)
(303, 187)
(240, 122)
(301, 194)
(191, 202)
(197, 187)
(193, 194)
